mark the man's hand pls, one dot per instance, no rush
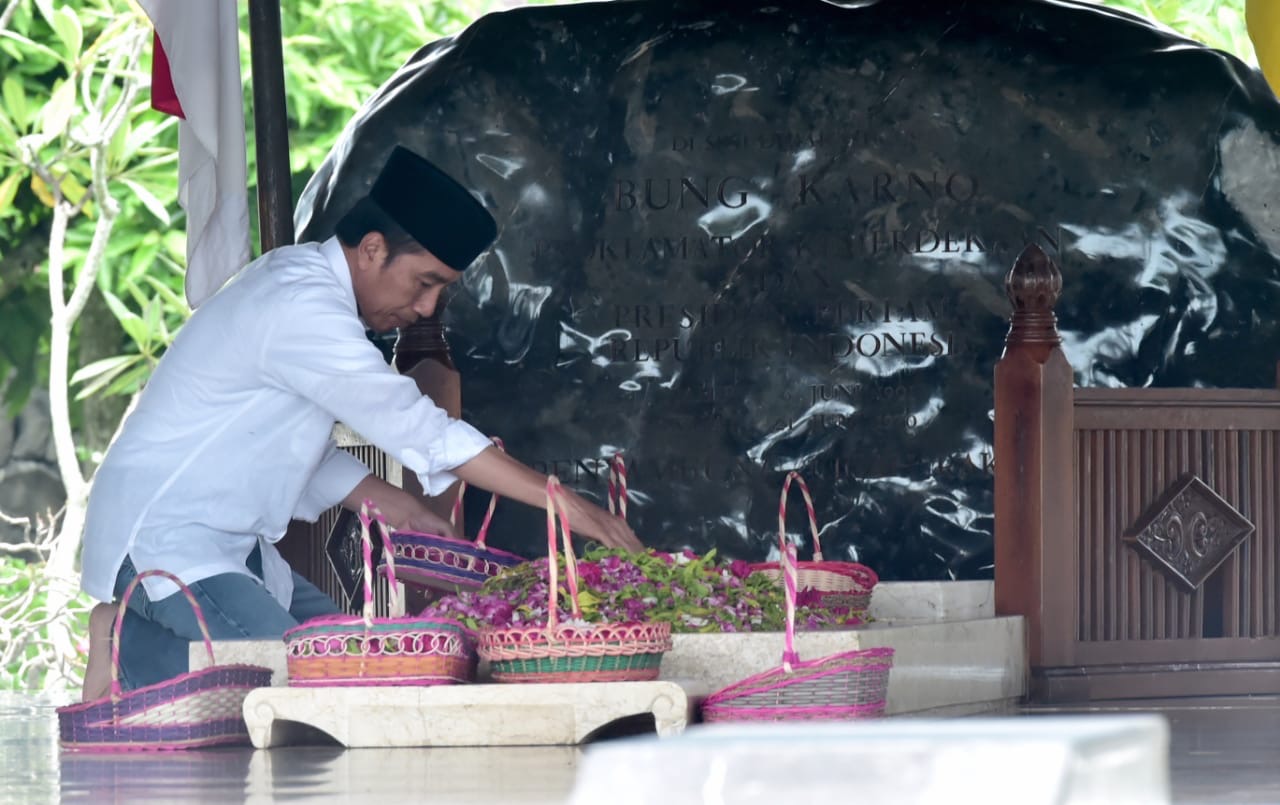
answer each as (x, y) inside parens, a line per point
(495, 470)
(424, 521)
(589, 520)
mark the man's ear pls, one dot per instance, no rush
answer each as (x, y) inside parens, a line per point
(372, 250)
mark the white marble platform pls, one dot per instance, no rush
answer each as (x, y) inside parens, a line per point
(1027, 761)
(464, 715)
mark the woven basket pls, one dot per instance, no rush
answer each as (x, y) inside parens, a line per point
(340, 650)
(448, 563)
(573, 652)
(852, 684)
(839, 585)
(194, 710)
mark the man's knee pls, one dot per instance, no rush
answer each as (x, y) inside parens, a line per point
(232, 605)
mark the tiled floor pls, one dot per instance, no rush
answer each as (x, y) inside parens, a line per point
(1223, 751)
(33, 770)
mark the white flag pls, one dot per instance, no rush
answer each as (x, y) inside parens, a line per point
(201, 41)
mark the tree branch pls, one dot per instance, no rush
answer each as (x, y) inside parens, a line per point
(108, 209)
(59, 606)
(132, 87)
(7, 15)
(59, 346)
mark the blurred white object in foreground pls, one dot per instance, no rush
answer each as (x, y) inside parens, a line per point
(1026, 760)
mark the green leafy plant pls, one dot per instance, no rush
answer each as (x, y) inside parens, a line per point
(74, 157)
(336, 55)
(28, 653)
(1217, 23)
(152, 284)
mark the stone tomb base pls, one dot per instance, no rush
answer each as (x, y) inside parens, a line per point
(952, 657)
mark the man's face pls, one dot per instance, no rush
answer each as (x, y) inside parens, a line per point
(395, 293)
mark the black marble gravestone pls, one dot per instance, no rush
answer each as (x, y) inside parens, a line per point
(739, 238)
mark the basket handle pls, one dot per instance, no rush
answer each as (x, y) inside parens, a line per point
(808, 504)
(789, 585)
(116, 691)
(455, 514)
(556, 506)
(618, 486)
(369, 514)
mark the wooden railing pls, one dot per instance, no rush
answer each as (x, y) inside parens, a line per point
(1137, 530)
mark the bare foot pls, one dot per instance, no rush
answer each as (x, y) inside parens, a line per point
(97, 673)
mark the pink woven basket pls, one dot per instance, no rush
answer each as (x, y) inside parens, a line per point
(340, 650)
(190, 711)
(576, 651)
(448, 563)
(852, 684)
(838, 585)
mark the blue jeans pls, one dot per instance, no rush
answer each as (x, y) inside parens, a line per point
(155, 635)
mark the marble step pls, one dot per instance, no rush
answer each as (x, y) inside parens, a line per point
(900, 602)
(948, 667)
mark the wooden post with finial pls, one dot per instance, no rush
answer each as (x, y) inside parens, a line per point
(422, 353)
(1034, 476)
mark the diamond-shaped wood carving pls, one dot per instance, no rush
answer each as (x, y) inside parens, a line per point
(1188, 531)
(344, 547)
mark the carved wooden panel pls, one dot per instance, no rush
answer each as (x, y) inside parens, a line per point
(1188, 532)
(1130, 453)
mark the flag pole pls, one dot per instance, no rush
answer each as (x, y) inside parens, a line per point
(270, 125)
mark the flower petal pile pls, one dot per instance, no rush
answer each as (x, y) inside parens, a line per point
(693, 593)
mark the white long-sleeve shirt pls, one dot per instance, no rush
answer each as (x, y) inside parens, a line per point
(231, 437)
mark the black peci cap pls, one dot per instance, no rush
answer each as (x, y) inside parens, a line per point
(439, 213)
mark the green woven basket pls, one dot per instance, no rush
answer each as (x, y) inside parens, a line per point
(630, 668)
(573, 651)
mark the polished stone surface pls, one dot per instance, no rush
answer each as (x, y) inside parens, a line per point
(1222, 751)
(740, 237)
(34, 771)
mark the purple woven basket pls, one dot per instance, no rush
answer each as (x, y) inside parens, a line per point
(448, 563)
(430, 560)
(190, 711)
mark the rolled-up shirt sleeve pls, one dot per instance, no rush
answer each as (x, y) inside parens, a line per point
(456, 446)
(333, 480)
(316, 348)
